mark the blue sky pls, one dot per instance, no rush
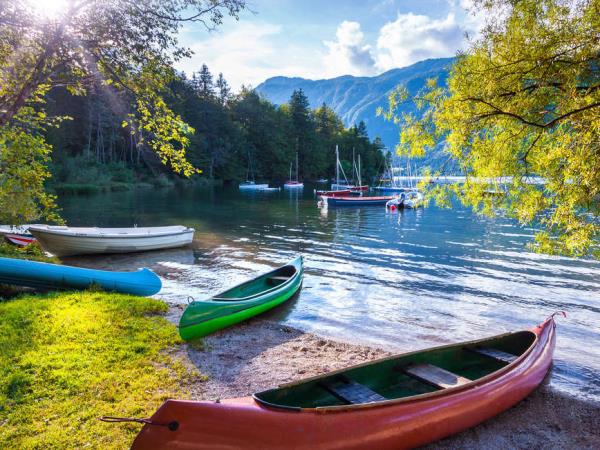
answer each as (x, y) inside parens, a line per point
(324, 39)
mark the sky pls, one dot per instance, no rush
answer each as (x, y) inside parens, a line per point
(328, 38)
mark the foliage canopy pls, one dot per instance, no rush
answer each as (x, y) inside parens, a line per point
(523, 103)
(129, 45)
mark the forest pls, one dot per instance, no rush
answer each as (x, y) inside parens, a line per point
(235, 137)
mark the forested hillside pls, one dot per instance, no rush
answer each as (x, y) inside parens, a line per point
(356, 99)
(236, 136)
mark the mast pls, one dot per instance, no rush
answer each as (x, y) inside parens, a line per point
(353, 165)
(358, 173)
(337, 166)
(291, 171)
(297, 180)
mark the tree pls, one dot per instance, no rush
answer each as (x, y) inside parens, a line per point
(203, 82)
(302, 132)
(223, 89)
(122, 43)
(523, 102)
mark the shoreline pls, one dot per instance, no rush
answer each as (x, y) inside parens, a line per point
(260, 354)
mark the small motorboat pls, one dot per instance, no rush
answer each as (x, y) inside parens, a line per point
(356, 201)
(396, 203)
(40, 275)
(242, 301)
(414, 199)
(403, 401)
(67, 241)
(252, 186)
(17, 235)
(293, 185)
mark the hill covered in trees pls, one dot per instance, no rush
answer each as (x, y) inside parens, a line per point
(233, 133)
(356, 99)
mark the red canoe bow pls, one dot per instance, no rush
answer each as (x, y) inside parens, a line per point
(249, 423)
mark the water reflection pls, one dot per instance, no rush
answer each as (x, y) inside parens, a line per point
(403, 280)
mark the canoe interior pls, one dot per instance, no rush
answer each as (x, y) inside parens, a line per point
(400, 377)
(257, 285)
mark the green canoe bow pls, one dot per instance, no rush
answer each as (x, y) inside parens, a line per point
(241, 302)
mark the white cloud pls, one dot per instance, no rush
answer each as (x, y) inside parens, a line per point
(348, 54)
(414, 37)
(247, 54)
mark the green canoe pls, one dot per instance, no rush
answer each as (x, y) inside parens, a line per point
(241, 302)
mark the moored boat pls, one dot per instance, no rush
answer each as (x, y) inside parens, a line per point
(40, 275)
(293, 183)
(340, 193)
(242, 301)
(356, 201)
(414, 199)
(396, 203)
(252, 186)
(398, 402)
(66, 241)
(18, 235)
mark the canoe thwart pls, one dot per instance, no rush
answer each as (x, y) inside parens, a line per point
(351, 392)
(434, 375)
(494, 354)
(274, 281)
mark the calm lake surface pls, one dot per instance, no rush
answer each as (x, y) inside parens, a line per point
(401, 281)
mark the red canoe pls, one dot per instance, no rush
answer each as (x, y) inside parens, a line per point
(399, 402)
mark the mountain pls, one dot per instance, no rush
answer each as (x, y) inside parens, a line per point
(357, 98)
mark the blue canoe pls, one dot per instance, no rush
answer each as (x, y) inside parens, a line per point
(40, 275)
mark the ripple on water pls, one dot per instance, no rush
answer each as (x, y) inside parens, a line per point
(403, 281)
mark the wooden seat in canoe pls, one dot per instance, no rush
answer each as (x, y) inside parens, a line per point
(274, 281)
(498, 355)
(434, 375)
(351, 392)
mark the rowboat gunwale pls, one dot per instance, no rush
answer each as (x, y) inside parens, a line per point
(272, 296)
(413, 398)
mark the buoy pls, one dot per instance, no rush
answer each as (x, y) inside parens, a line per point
(393, 207)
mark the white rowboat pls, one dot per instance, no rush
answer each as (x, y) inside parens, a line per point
(66, 241)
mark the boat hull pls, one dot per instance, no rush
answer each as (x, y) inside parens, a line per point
(40, 275)
(60, 243)
(253, 187)
(357, 201)
(341, 193)
(389, 189)
(407, 423)
(205, 317)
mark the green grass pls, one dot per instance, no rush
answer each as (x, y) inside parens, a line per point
(67, 359)
(32, 251)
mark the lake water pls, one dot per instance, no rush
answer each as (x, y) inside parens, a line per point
(402, 281)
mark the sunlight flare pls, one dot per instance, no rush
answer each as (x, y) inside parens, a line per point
(50, 9)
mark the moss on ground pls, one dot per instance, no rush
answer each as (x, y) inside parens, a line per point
(67, 359)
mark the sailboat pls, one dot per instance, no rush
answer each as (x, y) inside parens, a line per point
(387, 182)
(293, 184)
(250, 184)
(337, 186)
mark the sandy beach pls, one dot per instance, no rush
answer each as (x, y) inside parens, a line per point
(260, 354)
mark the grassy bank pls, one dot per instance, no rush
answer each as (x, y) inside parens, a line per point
(67, 359)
